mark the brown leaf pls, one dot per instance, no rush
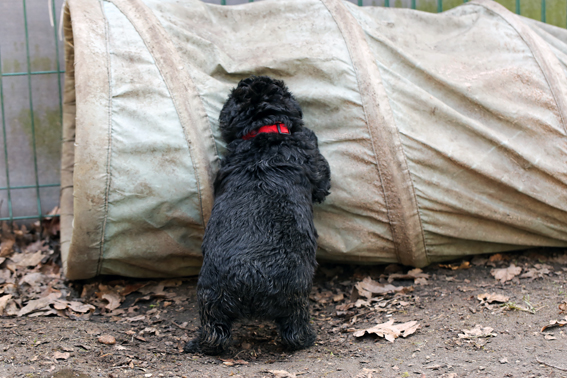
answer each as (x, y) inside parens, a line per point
(39, 304)
(537, 272)
(496, 257)
(113, 299)
(411, 275)
(33, 279)
(11, 308)
(60, 305)
(27, 259)
(81, 307)
(555, 323)
(6, 248)
(562, 308)
(463, 265)
(476, 332)
(61, 356)
(153, 288)
(368, 287)
(39, 245)
(492, 298)
(339, 297)
(421, 281)
(130, 288)
(107, 339)
(136, 318)
(3, 302)
(506, 274)
(389, 330)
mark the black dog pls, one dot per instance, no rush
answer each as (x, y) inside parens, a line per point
(260, 242)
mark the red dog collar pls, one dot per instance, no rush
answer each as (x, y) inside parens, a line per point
(279, 128)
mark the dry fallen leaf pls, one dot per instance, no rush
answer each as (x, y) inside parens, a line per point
(492, 298)
(61, 356)
(411, 275)
(33, 279)
(39, 304)
(3, 302)
(506, 274)
(562, 308)
(136, 318)
(6, 248)
(389, 330)
(538, 271)
(282, 374)
(463, 265)
(107, 339)
(368, 287)
(496, 257)
(27, 259)
(113, 300)
(476, 332)
(81, 307)
(338, 297)
(555, 323)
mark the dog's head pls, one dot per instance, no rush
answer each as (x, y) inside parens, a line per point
(255, 102)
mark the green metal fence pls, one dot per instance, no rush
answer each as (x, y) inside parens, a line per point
(9, 189)
(555, 11)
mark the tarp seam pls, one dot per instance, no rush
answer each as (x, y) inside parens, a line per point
(366, 122)
(201, 164)
(535, 49)
(407, 247)
(109, 152)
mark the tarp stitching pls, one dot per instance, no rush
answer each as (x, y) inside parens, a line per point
(109, 152)
(397, 239)
(204, 163)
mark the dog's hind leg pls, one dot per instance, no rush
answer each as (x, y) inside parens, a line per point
(215, 331)
(295, 330)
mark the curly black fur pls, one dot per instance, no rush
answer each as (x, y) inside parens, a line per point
(260, 242)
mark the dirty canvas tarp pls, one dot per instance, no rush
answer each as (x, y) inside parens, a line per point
(445, 132)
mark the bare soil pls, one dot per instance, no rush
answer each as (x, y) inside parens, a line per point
(151, 329)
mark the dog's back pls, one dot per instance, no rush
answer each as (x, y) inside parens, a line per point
(260, 242)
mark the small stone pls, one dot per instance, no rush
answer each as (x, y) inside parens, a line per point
(503, 360)
(107, 339)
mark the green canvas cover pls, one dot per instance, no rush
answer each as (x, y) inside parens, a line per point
(446, 133)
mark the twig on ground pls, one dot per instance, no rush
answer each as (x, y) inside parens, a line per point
(550, 365)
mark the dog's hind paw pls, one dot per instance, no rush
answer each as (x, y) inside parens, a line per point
(192, 346)
(299, 339)
(195, 346)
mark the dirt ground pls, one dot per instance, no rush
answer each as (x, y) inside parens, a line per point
(151, 321)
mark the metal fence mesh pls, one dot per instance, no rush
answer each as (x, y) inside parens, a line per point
(31, 77)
